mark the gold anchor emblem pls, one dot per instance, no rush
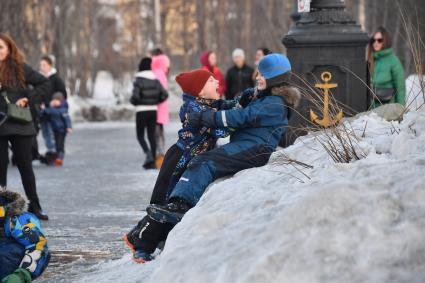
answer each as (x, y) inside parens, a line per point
(327, 120)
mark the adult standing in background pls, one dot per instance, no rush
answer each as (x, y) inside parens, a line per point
(147, 94)
(209, 62)
(239, 76)
(16, 77)
(161, 68)
(57, 85)
(386, 72)
(259, 54)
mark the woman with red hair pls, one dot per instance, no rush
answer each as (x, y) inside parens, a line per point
(16, 77)
(209, 62)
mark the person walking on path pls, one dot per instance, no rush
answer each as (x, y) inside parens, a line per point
(147, 94)
(239, 76)
(57, 85)
(59, 118)
(161, 69)
(208, 61)
(16, 77)
(386, 72)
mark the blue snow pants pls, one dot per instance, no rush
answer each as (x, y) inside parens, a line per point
(205, 168)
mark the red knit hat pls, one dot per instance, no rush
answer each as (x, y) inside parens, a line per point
(193, 82)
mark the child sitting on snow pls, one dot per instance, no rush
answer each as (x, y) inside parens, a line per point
(59, 118)
(23, 248)
(199, 94)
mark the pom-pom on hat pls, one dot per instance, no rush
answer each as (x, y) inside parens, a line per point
(275, 68)
(193, 82)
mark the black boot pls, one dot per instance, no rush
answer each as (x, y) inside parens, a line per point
(172, 212)
(149, 162)
(36, 209)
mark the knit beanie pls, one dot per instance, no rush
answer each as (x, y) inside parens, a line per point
(145, 64)
(238, 53)
(204, 59)
(58, 95)
(275, 68)
(193, 82)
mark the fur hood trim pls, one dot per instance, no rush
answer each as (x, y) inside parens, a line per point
(15, 203)
(146, 74)
(291, 95)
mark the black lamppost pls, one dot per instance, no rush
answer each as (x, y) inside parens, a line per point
(328, 41)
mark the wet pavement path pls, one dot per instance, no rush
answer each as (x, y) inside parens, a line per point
(95, 198)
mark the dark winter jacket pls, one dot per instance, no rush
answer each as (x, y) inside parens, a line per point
(22, 241)
(194, 140)
(389, 73)
(238, 79)
(263, 120)
(147, 90)
(58, 117)
(38, 87)
(56, 85)
(189, 135)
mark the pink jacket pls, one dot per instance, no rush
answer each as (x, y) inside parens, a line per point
(160, 67)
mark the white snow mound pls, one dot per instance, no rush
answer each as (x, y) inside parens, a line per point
(358, 222)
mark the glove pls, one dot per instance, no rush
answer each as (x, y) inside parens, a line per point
(20, 275)
(30, 260)
(203, 118)
(245, 99)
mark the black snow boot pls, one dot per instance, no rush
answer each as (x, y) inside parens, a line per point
(36, 209)
(150, 161)
(172, 212)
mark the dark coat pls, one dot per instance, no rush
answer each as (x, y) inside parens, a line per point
(238, 79)
(56, 85)
(38, 88)
(58, 117)
(147, 90)
(262, 121)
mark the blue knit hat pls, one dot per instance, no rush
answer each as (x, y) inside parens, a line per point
(275, 68)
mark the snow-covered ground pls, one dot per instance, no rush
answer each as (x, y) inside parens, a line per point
(358, 222)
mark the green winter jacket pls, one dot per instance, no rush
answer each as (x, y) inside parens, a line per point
(389, 73)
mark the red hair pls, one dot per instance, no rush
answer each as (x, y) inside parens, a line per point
(12, 73)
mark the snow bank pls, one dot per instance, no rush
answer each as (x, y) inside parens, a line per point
(415, 96)
(110, 101)
(357, 222)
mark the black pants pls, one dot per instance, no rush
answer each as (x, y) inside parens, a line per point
(146, 119)
(21, 147)
(159, 194)
(60, 144)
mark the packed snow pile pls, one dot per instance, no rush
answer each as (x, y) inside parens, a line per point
(110, 101)
(362, 221)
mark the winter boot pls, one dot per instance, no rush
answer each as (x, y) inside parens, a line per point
(58, 162)
(171, 213)
(141, 256)
(50, 157)
(35, 209)
(149, 162)
(159, 160)
(132, 239)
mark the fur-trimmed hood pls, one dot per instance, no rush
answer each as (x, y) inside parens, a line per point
(15, 203)
(291, 95)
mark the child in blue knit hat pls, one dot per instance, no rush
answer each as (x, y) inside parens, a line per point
(258, 127)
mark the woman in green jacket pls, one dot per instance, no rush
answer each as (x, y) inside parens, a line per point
(387, 73)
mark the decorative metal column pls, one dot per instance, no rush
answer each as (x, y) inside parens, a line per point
(327, 47)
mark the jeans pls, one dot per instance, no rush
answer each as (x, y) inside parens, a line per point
(49, 139)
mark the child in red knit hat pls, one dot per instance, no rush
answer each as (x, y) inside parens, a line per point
(199, 94)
